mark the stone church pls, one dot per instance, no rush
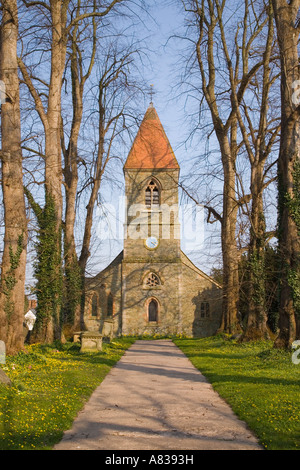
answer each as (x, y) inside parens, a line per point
(152, 287)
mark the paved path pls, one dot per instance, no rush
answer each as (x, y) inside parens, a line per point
(155, 399)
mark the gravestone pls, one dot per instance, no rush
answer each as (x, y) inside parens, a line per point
(91, 341)
(76, 336)
(108, 330)
(2, 352)
(30, 319)
(4, 380)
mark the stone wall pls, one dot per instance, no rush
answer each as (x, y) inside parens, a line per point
(108, 281)
(136, 298)
(198, 290)
(181, 296)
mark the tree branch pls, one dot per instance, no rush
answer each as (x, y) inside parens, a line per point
(210, 209)
(93, 14)
(37, 3)
(33, 92)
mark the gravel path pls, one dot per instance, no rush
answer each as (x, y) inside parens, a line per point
(155, 399)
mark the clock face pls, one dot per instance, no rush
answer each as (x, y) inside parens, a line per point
(151, 243)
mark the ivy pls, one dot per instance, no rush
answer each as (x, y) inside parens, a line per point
(15, 257)
(256, 261)
(293, 204)
(256, 264)
(294, 283)
(10, 278)
(48, 265)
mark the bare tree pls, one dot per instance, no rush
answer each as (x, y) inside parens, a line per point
(59, 20)
(12, 292)
(288, 29)
(259, 125)
(48, 323)
(79, 77)
(228, 58)
(112, 92)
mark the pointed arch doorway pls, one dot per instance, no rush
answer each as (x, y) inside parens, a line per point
(153, 311)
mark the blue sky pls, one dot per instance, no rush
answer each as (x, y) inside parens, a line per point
(162, 75)
(164, 62)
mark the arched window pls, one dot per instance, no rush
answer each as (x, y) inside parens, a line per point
(152, 280)
(94, 305)
(152, 195)
(110, 305)
(153, 311)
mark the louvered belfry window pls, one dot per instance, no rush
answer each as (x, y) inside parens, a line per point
(152, 195)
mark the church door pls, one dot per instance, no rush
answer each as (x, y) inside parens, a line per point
(153, 310)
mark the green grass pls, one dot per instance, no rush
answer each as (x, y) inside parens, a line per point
(260, 383)
(50, 386)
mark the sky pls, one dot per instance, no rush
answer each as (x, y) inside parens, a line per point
(204, 250)
(200, 241)
(162, 76)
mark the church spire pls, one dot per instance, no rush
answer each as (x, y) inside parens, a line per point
(151, 148)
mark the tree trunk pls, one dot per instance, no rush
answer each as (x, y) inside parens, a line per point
(258, 151)
(230, 321)
(49, 285)
(15, 238)
(74, 279)
(51, 328)
(228, 156)
(53, 169)
(289, 233)
(257, 316)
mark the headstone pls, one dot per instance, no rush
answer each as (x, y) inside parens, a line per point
(2, 352)
(30, 318)
(4, 380)
(91, 341)
(107, 331)
(76, 337)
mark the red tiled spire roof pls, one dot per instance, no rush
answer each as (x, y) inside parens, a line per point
(151, 148)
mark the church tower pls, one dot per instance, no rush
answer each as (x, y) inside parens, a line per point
(152, 287)
(151, 258)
